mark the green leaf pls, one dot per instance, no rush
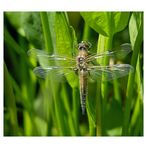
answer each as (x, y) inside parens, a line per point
(136, 37)
(10, 103)
(113, 115)
(31, 24)
(46, 32)
(120, 20)
(134, 26)
(14, 19)
(56, 106)
(106, 23)
(63, 38)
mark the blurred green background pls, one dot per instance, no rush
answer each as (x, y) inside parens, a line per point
(36, 107)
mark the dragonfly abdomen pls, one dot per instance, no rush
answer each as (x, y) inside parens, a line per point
(83, 89)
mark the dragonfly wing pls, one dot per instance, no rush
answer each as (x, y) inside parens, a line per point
(107, 73)
(124, 50)
(46, 59)
(56, 73)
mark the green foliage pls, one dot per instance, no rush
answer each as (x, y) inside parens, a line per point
(108, 23)
(36, 107)
(31, 24)
(136, 23)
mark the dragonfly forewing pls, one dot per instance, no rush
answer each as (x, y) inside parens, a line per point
(123, 51)
(46, 59)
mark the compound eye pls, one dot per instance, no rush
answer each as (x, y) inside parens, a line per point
(81, 47)
(84, 45)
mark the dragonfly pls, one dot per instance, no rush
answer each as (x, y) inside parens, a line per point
(84, 66)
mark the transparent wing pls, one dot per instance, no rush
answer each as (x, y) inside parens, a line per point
(56, 73)
(46, 59)
(110, 72)
(124, 50)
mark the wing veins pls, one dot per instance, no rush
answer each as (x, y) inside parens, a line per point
(42, 72)
(110, 72)
(125, 49)
(40, 53)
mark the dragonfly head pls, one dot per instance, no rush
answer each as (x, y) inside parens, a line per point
(84, 45)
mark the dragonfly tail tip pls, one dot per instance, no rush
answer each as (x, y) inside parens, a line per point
(83, 111)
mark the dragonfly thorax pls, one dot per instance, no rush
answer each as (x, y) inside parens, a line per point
(81, 63)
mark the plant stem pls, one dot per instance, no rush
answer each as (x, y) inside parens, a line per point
(131, 78)
(11, 103)
(98, 111)
(104, 43)
(76, 105)
(86, 32)
(46, 31)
